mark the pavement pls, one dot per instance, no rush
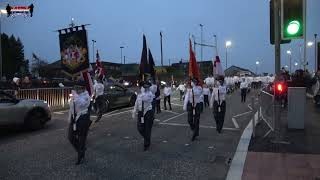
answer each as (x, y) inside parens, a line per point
(115, 149)
(297, 157)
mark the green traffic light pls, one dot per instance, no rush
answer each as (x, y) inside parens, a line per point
(293, 27)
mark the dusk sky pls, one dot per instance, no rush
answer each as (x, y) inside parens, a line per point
(116, 23)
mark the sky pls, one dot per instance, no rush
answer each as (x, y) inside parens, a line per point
(116, 23)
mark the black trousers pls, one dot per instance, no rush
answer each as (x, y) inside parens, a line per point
(194, 117)
(146, 127)
(100, 106)
(158, 107)
(167, 98)
(219, 115)
(181, 95)
(206, 100)
(154, 105)
(243, 94)
(78, 137)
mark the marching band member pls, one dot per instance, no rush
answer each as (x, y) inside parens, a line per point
(98, 88)
(244, 89)
(218, 103)
(192, 105)
(181, 88)
(206, 93)
(79, 117)
(167, 96)
(143, 107)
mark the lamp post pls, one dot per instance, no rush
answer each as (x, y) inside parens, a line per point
(201, 27)
(296, 65)
(161, 48)
(121, 47)
(2, 11)
(289, 53)
(228, 44)
(315, 54)
(257, 64)
(93, 42)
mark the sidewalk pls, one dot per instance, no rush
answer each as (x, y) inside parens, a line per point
(300, 159)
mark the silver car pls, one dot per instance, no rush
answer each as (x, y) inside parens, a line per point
(33, 114)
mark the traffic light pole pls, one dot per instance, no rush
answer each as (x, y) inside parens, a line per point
(305, 35)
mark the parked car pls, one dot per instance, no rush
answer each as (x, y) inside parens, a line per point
(116, 96)
(33, 114)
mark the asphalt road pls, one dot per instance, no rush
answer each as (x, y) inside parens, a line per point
(115, 149)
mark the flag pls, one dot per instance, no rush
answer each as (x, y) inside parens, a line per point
(193, 66)
(151, 66)
(87, 78)
(100, 71)
(218, 67)
(143, 69)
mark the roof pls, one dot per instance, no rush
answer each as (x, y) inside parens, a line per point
(235, 71)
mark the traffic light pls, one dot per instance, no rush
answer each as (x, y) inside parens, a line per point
(279, 91)
(272, 37)
(292, 19)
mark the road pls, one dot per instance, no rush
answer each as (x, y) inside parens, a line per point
(115, 149)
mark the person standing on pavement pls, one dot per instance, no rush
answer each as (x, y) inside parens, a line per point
(79, 117)
(167, 97)
(99, 102)
(181, 88)
(244, 90)
(158, 98)
(193, 106)
(218, 103)
(143, 107)
(206, 94)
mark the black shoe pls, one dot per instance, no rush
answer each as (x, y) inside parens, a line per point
(193, 137)
(146, 148)
(80, 159)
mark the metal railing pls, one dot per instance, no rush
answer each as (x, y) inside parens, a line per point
(55, 97)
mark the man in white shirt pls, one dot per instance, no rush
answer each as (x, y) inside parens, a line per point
(98, 90)
(244, 89)
(153, 89)
(192, 104)
(79, 119)
(143, 107)
(181, 88)
(206, 93)
(167, 96)
(218, 103)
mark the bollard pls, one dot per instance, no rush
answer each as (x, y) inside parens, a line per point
(253, 117)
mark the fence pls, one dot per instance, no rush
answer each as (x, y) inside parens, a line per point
(55, 97)
(263, 109)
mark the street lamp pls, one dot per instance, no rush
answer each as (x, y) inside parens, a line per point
(93, 42)
(315, 54)
(228, 44)
(289, 53)
(121, 47)
(309, 44)
(201, 27)
(257, 64)
(2, 11)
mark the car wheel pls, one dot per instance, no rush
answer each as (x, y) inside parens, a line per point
(132, 101)
(36, 119)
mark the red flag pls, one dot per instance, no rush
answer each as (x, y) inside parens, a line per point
(87, 78)
(100, 71)
(218, 67)
(193, 66)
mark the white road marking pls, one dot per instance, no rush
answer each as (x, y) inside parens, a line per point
(211, 147)
(164, 141)
(236, 125)
(60, 113)
(171, 112)
(177, 104)
(174, 117)
(238, 115)
(109, 115)
(249, 106)
(187, 125)
(186, 144)
(157, 120)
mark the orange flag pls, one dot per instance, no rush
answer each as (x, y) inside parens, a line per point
(193, 66)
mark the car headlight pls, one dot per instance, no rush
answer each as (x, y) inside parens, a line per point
(126, 84)
(46, 102)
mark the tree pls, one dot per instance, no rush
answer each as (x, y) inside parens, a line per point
(13, 56)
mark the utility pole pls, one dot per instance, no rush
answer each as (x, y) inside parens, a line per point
(161, 48)
(124, 59)
(1, 73)
(305, 34)
(315, 54)
(201, 27)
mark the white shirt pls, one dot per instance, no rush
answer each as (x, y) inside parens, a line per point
(81, 103)
(218, 93)
(243, 85)
(206, 91)
(181, 87)
(146, 97)
(98, 89)
(167, 91)
(196, 95)
(153, 89)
